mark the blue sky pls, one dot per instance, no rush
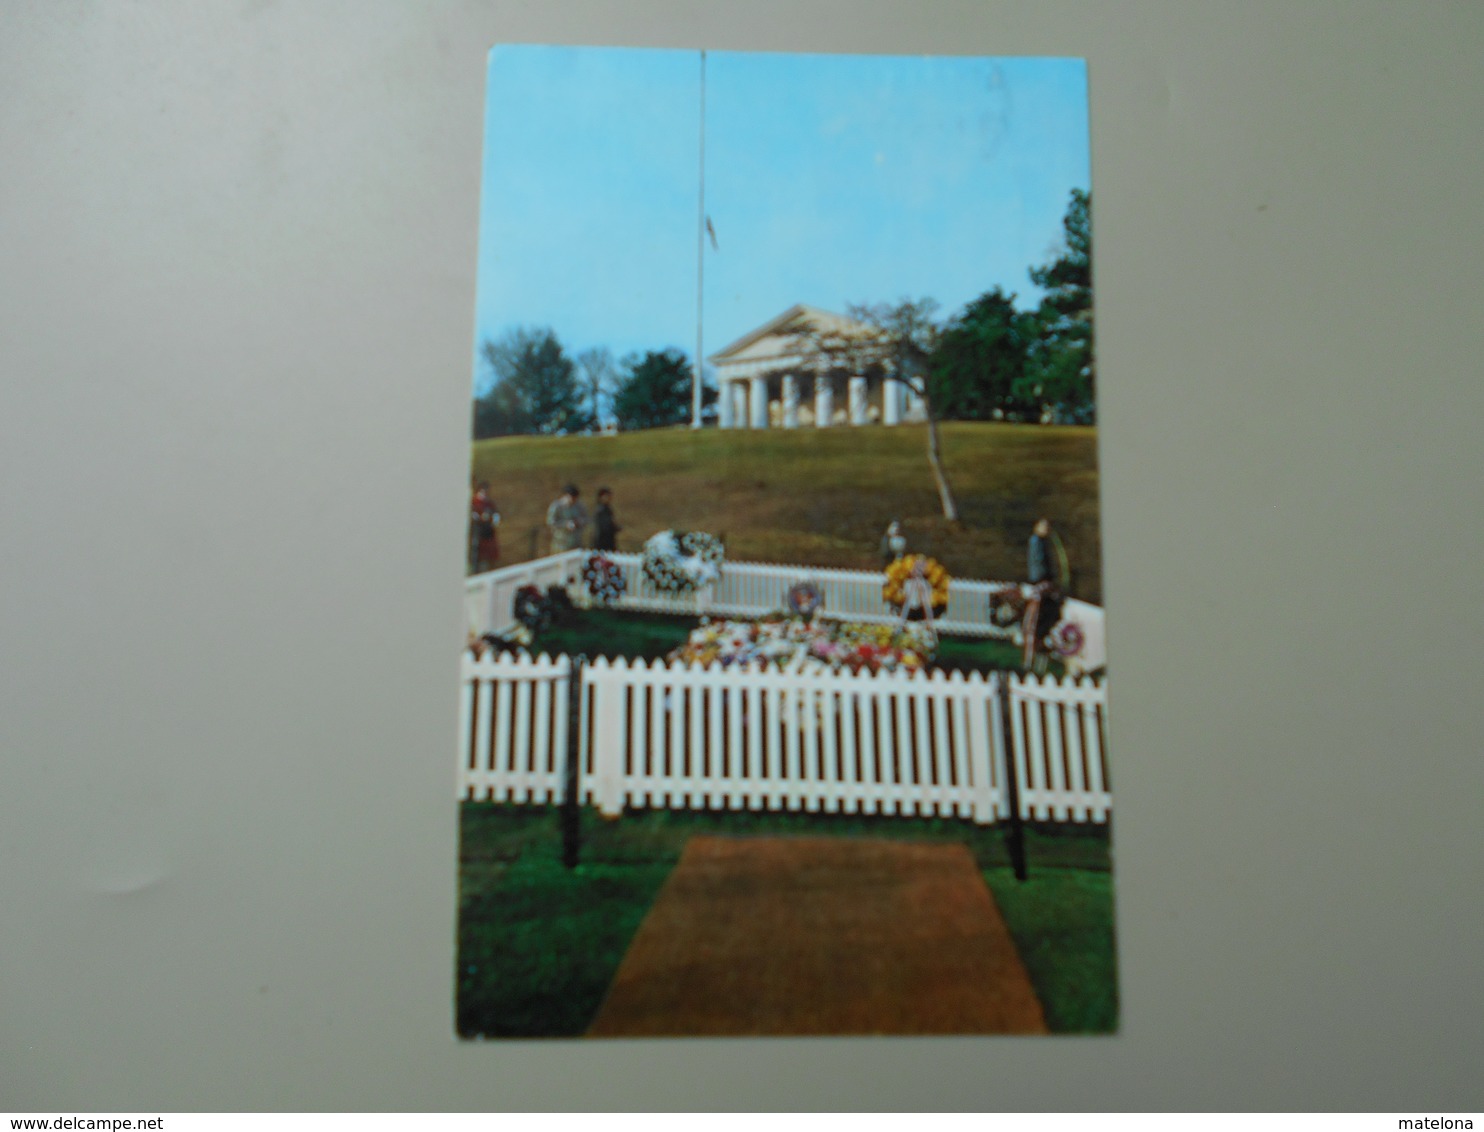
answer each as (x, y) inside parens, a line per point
(829, 179)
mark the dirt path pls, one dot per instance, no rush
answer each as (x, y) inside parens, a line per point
(812, 935)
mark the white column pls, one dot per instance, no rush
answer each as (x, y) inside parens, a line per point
(857, 400)
(739, 404)
(723, 403)
(891, 402)
(759, 402)
(823, 402)
(790, 401)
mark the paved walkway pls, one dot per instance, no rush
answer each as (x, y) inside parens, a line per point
(814, 935)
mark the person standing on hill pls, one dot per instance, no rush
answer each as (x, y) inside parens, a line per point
(484, 541)
(1045, 569)
(893, 543)
(607, 528)
(566, 519)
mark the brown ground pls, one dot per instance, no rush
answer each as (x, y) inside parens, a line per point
(806, 935)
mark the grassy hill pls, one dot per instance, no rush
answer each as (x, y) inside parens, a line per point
(817, 497)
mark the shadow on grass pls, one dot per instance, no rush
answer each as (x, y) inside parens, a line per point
(538, 944)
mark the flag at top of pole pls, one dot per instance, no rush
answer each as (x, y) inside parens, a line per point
(703, 226)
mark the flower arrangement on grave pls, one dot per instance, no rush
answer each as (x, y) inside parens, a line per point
(681, 562)
(1006, 606)
(516, 639)
(916, 569)
(538, 610)
(1066, 640)
(804, 599)
(798, 645)
(531, 608)
(604, 579)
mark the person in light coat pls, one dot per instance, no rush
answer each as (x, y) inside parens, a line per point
(566, 519)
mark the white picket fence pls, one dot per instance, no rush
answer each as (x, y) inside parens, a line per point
(683, 736)
(1059, 740)
(747, 589)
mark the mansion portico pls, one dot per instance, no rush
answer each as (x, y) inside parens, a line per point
(764, 382)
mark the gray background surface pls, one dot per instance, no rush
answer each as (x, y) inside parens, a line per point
(236, 285)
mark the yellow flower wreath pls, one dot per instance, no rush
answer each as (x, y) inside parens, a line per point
(900, 572)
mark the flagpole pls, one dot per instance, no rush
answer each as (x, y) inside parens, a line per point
(695, 418)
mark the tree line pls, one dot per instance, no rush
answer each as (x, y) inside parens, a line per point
(989, 362)
(536, 388)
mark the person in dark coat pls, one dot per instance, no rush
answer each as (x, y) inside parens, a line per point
(607, 536)
(1043, 566)
(1044, 570)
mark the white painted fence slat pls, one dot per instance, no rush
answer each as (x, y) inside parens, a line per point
(468, 755)
(942, 755)
(902, 753)
(831, 779)
(1056, 784)
(732, 699)
(1093, 746)
(811, 711)
(500, 760)
(1081, 800)
(610, 735)
(981, 754)
(784, 772)
(678, 793)
(756, 750)
(922, 752)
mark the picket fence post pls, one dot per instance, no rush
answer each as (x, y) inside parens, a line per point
(609, 729)
(985, 747)
(1015, 831)
(572, 766)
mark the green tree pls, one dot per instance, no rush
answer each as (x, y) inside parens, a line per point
(980, 360)
(533, 387)
(654, 390)
(1060, 368)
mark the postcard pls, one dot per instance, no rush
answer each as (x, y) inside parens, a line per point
(784, 688)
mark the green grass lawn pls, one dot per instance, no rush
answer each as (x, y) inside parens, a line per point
(539, 943)
(613, 633)
(817, 497)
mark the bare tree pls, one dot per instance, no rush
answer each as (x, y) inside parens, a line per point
(598, 376)
(894, 341)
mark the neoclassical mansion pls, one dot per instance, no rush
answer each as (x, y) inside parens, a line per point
(757, 389)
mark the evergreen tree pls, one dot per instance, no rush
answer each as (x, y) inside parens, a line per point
(654, 390)
(1060, 368)
(980, 359)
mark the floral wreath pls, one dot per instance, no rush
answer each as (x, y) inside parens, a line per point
(904, 569)
(532, 608)
(804, 599)
(681, 562)
(604, 578)
(1007, 606)
(1068, 640)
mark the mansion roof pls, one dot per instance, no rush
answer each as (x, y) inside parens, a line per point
(775, 338)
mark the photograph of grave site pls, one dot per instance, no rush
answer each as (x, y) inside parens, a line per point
(784, 687)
